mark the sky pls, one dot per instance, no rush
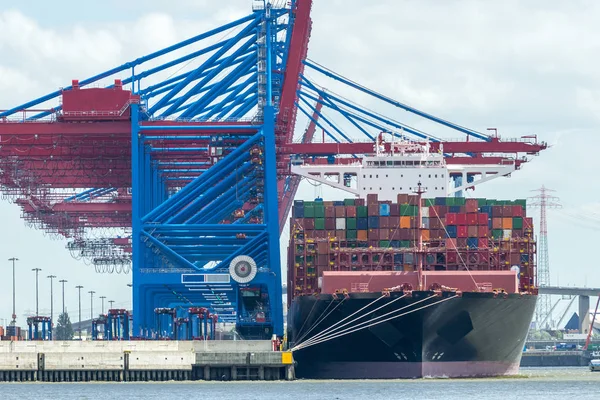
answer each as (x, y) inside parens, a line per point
(521, 67)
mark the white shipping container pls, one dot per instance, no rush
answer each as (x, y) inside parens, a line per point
(340, 224)
(425, 212)
(506, 234)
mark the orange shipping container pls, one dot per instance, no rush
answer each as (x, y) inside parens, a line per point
(361, 235)
(507, 223)
(426, 235)
(404, 222)
(450, 243)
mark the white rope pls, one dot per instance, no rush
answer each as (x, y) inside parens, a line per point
(321, 318)
(339, 334)
(331, 330)
(327, 330)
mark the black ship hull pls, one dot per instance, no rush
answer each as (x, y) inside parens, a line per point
(473, 335)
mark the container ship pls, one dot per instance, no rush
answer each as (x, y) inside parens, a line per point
(403, 281)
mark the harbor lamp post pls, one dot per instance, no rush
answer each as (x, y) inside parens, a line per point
(91, 292)
(14, 314)
(111, 302)
(37, 271)
(102, 298)
(63, 281)
(79, 287)
(51, 277)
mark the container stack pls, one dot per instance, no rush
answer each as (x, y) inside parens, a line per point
(372, 235)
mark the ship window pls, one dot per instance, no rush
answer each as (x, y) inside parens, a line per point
(364, 176)
(442, 188)
(436, 175)
(370, 176)
(370, 188)
(379, 188)
(393, 188)
(430, 175)
(386, 175)
(409, 188)
(442, 175)
(376, 176)
(436, 188)
(396, 162)
(419, 175)
(400, 188)
(401, 176)
(364, 188)
(390, 163)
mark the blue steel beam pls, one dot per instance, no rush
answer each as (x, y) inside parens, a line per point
(333, 75)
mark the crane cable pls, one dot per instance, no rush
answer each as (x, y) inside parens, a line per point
(346, 332)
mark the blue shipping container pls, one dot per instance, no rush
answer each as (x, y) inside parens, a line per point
(299, 212)
(472, 243)
(374, 222)
(384, 210)
(362, 223)
(440, 201)
(409, 258)
(454, 209)
(425, 222)
(398, 258)
(395, 244)
(451, 231)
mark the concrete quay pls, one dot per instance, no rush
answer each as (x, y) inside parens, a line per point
(116, 361)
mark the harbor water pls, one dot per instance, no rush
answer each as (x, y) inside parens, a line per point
(539, 383)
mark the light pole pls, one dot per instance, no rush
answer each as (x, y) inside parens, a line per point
(79, 287)
(102, 297)
(111, 302)
(63, 281)
(14, 314)
(37, 271)
(91, 292)
(51, 277)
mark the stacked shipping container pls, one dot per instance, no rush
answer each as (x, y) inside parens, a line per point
(372, 235)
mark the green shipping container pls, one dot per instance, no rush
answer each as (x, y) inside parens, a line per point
(408, 211)
(361, 212)
(517, 223)
(481, 202)
(429, 202)
(497, 233)
(309, 211)
(459, 201)
(384, 243)
(351, 234)
(521, 202)
(320, 223)
(350, 223)
(348, 202)
(450, 201)
(319, 211)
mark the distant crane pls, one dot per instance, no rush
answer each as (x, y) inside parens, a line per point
(544, 201)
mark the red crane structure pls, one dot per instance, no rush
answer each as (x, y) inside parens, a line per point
(187, 181)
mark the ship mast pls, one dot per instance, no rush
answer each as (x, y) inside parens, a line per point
(420, 251)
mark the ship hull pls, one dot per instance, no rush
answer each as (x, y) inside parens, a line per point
(473, 335)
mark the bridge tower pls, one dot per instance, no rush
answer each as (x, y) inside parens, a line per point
(544, 200)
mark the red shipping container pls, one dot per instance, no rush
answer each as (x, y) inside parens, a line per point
(414, 222)
(496, 211)
(402, 198)
(329, 212)
(309, 234)
(309, 223)
(435, 223)
(373, 210)
(413, 199)
(461, 243)
(496, 223)
(359, 202)
(340, 235)
(471, 205)
(372, 199)
(394, 222)
(450, 219)
(482, 231)
(528, 223)
(340, 211)
(384, 222)
(330, 223)
(351, 211)
(384, 234)
(373, 243)
(507, 211)
(472, 219)
(450, 243)
(482, 219)
(461, 231)
(373, 234)
(394, 234)
(404, 234)
(472, 231)
(517, 211)
(451, 257)
(441, 211)
(394, 210)
(320, 234)
(461, 219)
(517, 233)
(483, 243)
